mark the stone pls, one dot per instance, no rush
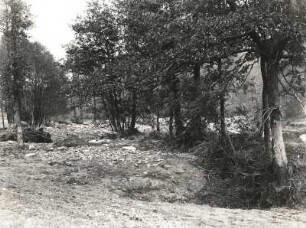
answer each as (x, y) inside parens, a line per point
(303, 137)
(179, 171)
(102, 141)
(62, 148)
(31, 155)
(32, 147)
(129, 148)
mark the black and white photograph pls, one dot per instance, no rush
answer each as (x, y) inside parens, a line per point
(152, 113)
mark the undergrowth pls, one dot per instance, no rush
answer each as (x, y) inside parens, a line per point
(238, 172)
(240, 177)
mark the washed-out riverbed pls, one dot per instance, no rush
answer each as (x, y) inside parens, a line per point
(113, 183)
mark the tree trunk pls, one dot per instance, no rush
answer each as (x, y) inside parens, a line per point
(177, 108)
(280, 158)
(171, 122)
(157, 121)
(10, 112)
(196, 125)
(81, 113)
(222, 106)
(2, 115)
(266, 128)
(134, 111)
(94, 109)
(222, 117)
(17, 115)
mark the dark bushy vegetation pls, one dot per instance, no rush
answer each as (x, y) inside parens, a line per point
(243, 180)
(29, 135)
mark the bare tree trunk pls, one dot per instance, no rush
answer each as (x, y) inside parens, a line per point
(280, 158)
(2, 115)
(222, 117)
(223, 133)
(196, 124)
(157, 121)
(81, 113)
(171, 122)
(266, 127)
(94, 109)
(17, 115)
(177, 108)
(134, 112)
(10, 112)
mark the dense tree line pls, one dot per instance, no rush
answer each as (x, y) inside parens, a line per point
(173, 59)
(32, 83)
(180, 59)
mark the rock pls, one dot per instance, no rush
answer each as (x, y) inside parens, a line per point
(102, 141)
(49, 149)
(31, 155)
(165, 166)
(129, 148)
(32, 147)
(179, 171)
(62, 148)
(303, 137)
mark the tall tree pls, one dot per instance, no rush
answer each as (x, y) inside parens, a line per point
(270, 28)
(15, 23)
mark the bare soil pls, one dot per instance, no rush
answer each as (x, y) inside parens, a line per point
(101, 182)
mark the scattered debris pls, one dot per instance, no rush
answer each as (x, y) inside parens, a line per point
(102, 180)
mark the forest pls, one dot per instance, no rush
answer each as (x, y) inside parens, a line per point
(220, 80)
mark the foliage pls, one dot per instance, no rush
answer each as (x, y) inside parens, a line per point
(30, 77)
(44, 88)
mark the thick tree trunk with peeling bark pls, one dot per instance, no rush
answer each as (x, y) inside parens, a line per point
(280, 160)
(271, 53)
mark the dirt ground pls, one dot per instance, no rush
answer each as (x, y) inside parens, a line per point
(102, 182)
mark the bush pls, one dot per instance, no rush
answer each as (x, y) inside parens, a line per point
(243, 180)
(29, 135)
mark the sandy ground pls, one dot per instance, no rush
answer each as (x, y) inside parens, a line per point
(113, 183)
